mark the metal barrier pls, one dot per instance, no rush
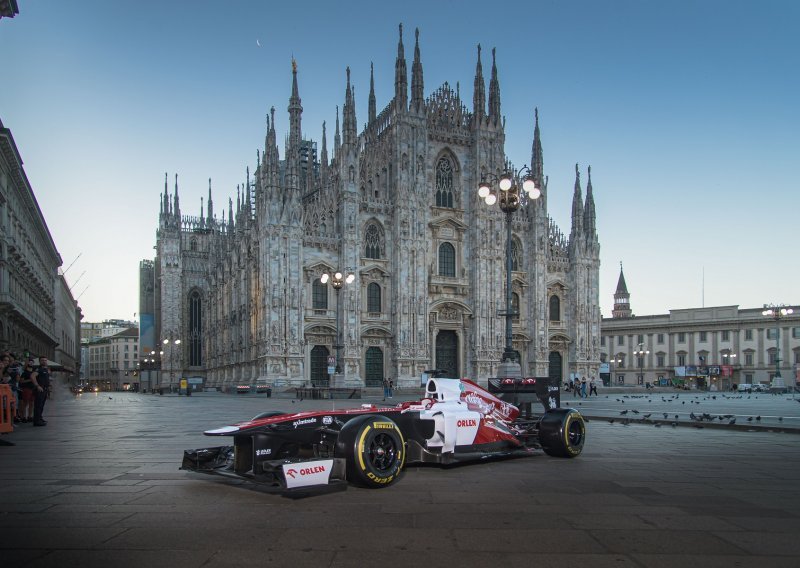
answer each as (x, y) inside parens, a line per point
(7, 409)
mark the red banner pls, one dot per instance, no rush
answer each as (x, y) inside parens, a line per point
(726, 370)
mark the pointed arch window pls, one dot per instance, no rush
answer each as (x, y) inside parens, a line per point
(195, 329)
(515, 307)
(319, 295)
(444, 183)
(555, 308)
(516, 255)
(374, 298)
(447, 260)
(373, 242)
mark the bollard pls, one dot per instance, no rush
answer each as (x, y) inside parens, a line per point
(7, 409)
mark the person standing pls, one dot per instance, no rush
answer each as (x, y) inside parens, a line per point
(583, 388)
(593, 387)
(385, 387)
(27, 392)
(391, 388)
(41, 380)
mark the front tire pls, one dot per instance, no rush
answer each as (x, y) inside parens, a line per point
(562, 433)
(374, 450)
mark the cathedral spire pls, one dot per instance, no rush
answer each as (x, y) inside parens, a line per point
(337, 139)
(230, 213)
(177, 208)
(479, 91)
(494, 93)
(400, 76)
(247, 196)
(417, 84)
(210, 203)
(165, 197)
(202, 216)
(349, 113)
(588, 210)
(577, 205)
(537, 157)
(295, 112)
(371, 92)
(324, 153)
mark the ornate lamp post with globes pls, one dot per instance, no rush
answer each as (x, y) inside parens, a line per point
(640, 353)
(514, 189)
(777, 312)
(337, 281)
(170, 342)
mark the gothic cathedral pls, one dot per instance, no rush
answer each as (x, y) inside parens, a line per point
(397, 206)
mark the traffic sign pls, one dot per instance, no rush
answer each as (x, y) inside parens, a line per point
(331, 369)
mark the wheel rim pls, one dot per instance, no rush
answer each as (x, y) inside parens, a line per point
(382, 452)
(575, 433)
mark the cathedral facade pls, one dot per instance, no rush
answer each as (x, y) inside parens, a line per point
(396, 205)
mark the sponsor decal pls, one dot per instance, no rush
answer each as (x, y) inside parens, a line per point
(327, 420)
(307, 473)
(297, 423)
(384, 425)
(470, 423)
(264, 452)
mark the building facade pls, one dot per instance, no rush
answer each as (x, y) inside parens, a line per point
(32, 293)
(114, 361)
(710, 348)
(396, 205)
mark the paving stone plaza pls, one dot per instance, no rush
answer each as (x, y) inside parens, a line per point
(100, 486)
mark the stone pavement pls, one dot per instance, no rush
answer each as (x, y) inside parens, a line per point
(100, 486)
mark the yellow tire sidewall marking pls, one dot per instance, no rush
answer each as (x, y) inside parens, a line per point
(361, 447)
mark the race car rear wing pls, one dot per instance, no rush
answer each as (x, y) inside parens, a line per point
(521, 392)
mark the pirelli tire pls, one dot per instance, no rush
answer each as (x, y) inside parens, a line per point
(562, 433)
(374, 450)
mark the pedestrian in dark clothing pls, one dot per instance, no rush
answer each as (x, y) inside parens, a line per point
(385, 388)
(41, 379)
(593, 387)
(391, 388)
(583, 388)
(27, 392)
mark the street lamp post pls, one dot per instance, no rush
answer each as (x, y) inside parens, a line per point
(337, 281)
(611, 368)
(729, 359)
(640, 353)
(514, 189)
(171, 342)
(777, 313)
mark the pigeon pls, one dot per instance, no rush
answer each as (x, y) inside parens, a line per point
(758, 418)
(646, 416)
(676, 417)
(665, 416)
(610, 420)
(749, 418)
(624, 412)
(732, 422)
(692, 416)
(780, 418)
(635, 411)
(674, 424)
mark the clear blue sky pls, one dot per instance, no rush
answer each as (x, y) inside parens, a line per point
(686, 110)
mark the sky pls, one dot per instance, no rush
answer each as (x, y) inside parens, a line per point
(686, 111)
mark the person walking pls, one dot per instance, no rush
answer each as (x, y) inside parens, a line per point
(593, 386)
(385, 388)
(583, 388)
(41, 380)
(391, 388)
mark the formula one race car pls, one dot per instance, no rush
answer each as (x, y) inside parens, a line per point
(457, 421)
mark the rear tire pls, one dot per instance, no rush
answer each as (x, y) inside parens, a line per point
(562, 433)
(374, 450)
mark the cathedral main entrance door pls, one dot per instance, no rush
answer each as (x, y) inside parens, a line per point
(319, 366)
(447, 353)
(556, 367)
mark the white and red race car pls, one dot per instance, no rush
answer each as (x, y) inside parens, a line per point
(457, 421)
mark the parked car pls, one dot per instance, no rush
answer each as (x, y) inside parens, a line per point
(760, 387)
(745, 387)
